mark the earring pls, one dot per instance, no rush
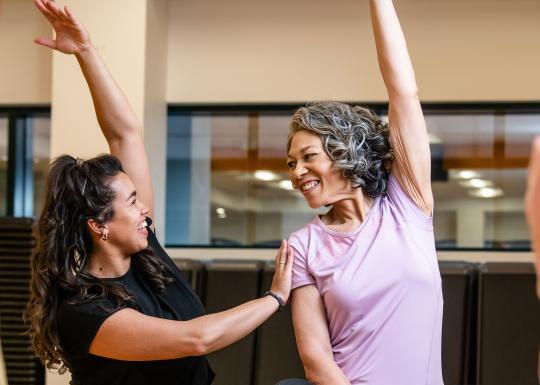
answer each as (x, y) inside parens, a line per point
(105, 234)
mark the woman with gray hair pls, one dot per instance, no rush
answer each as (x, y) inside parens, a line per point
(367, 300)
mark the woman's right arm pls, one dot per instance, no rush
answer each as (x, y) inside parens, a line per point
(132, 336)
(532, 205)
(313, 339)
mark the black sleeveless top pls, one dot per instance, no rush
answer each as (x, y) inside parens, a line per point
(79, 323)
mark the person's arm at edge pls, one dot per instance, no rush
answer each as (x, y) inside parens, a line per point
(313, 339)
(408, 133)
(532, 206)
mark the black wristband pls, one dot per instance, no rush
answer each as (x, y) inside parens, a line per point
(277, 298)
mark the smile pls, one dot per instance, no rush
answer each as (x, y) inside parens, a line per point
(309, 186)
(142, 226)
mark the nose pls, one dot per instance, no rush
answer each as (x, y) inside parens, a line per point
(144, 208)
(298, 172)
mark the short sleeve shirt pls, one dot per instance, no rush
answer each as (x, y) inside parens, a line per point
(79, 323)
(381, 288)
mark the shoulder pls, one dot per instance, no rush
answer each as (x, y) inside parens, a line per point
(301, 240)
(402, 205)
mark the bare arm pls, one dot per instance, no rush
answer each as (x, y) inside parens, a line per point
(313, 339)
(408, 133)
(116, 118)
(132, 336)
(532, 206)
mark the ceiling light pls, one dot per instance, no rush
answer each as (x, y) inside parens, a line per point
(220, 211)
(487, 192)
(286, 185)
(468, 174)
(265, 175)
(476, 183)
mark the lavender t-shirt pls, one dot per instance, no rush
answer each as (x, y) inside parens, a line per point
(381, 288)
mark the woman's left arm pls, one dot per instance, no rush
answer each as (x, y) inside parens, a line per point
(408, 134)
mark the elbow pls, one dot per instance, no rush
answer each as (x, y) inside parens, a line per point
(205, 340)
(404, 91)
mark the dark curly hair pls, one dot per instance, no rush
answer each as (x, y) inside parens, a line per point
(355, 139)
(76, 192)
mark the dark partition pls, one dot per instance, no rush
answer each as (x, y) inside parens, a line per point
(508, 325)
(16, 244)
(459, 284)
(193, 273)
(228, 284)
(277, 356)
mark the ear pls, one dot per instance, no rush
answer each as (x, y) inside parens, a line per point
(95, 227)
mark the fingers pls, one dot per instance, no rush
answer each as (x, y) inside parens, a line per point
(70, 15)
(46, 42)
(43, 9)
(290, 258)
(281, 258)
(53, 8)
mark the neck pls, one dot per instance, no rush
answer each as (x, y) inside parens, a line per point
(349, 212)
(106, 263)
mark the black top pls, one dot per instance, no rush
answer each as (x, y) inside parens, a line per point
(78, 325)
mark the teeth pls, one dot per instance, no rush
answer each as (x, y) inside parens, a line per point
(309, 186)
(142, 225)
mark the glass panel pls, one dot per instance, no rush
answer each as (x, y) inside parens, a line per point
(3, 163)
(41, 154)
(228, 183)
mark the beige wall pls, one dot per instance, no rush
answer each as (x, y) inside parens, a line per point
(25, 68)
(242, 51)
(289, 51)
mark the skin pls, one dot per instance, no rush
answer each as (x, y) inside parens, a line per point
(129, 334)
(308, 162)
(532, 206)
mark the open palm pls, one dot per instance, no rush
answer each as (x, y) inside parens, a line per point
(71, 36)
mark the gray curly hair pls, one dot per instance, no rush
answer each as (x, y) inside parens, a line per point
(355, 139)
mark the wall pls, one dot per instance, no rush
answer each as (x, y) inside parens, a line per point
(290, 51)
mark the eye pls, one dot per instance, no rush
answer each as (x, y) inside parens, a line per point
(134, 200)
(309, 156)
(291, 164)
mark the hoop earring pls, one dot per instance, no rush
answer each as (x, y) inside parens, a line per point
(105, 234)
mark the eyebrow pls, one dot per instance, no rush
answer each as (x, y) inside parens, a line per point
(132, 195)
(302, 150)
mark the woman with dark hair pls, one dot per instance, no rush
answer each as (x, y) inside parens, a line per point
(107, 302)
(367, 299)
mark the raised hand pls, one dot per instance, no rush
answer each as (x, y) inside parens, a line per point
(71, 36)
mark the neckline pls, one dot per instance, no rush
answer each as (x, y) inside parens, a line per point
(120, 277)
(369, 214)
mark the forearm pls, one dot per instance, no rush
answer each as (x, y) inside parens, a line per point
(325, 373)
(532, 205)
(221, 329)
(114, 113)
(394, 61)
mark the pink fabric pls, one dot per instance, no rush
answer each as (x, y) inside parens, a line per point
(381, 287)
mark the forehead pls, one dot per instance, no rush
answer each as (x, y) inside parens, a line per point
(122, 185)
(303, 139)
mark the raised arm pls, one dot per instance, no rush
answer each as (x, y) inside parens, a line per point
(312, 338)
(532, 206)
(117, 120)
(408, 133)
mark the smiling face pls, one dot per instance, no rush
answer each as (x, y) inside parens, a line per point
(127, 227)
(313, 173)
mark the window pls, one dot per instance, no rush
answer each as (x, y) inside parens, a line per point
(24, 158)
(227, 182)
(3, 163)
